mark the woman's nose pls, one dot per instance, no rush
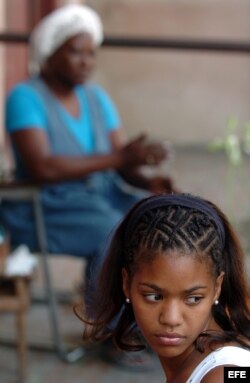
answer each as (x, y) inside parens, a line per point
(86, 60)
(83, 59)
(171, 314)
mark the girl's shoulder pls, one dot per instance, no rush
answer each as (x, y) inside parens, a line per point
(237, 353)
(226, 355)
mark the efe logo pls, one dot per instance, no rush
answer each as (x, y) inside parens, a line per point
(236, 374)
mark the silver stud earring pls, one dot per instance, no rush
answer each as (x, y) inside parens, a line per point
(127, 300)
(216, 302)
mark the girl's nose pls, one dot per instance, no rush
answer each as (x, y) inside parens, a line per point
(171, 314)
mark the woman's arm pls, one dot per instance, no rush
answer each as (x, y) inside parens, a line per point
(33, 147)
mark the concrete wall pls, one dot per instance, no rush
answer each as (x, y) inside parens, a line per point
(182, 96)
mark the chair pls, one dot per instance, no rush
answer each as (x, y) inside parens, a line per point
(16, 191)
(14, 298)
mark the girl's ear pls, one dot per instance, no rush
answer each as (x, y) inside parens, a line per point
(218, 284)
(125, 282)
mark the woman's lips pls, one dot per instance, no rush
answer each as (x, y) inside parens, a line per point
(169, 339)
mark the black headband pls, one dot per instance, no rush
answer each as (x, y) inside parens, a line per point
(184, 200)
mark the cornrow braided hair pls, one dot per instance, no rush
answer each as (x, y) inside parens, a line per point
(175, 226)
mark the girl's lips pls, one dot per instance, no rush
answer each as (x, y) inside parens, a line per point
(169, 339)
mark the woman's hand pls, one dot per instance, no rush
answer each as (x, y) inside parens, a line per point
(160, 184)
(139, 152)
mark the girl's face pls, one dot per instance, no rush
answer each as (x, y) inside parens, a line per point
(74, 61)
(172, 299)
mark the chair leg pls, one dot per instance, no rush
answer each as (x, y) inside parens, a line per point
(22, 345)
(66, 355)
(21, 320)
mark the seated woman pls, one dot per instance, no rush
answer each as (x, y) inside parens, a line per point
(67, 137)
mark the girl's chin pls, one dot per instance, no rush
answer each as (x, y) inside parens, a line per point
(162, 355)
(168, 352)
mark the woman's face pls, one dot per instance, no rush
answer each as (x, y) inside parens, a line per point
(172, 299)
(74, 61)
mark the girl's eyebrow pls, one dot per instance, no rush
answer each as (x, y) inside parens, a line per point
(159, 289)
(195, 288)
(152, 286)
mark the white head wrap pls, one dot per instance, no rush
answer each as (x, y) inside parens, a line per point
(59, 26)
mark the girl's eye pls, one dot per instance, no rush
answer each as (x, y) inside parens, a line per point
(153, 297)
(194, 299)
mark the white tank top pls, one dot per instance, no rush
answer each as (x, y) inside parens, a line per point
(222, 356)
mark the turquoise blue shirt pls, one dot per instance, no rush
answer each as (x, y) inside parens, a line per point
(25, 108)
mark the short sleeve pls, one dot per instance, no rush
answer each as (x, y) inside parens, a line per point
(110, 113)
(24, 108)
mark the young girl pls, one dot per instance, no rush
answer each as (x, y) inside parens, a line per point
(177, 264)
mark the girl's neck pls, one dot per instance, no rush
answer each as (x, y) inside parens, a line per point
(177, 370)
